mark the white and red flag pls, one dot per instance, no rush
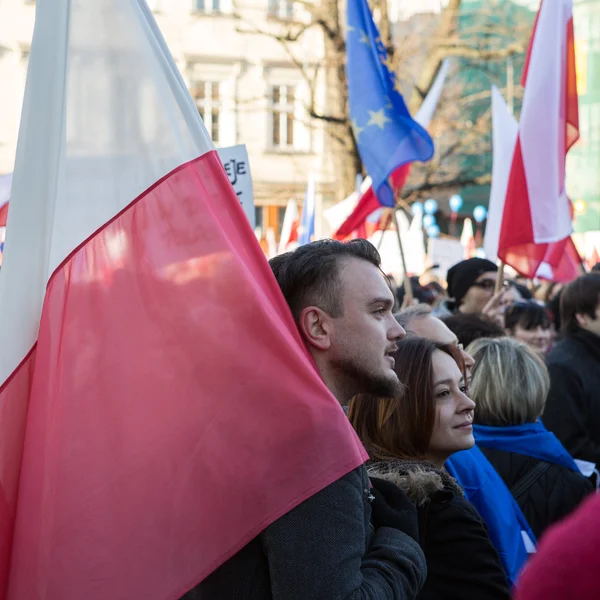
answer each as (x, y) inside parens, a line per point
(157, 407)
(537, 216)
(288, 239)
(467, 239)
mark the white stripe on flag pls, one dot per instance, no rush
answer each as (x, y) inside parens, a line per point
(505, 131)
(108, 159)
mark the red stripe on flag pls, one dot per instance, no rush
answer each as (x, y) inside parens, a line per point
(530, 47)
(515, 247)
(368, 204)
(14, 399)
(3, 214)
(572, 99)
(169, 422)
(569, 265)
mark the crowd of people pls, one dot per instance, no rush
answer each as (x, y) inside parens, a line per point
(480, 416)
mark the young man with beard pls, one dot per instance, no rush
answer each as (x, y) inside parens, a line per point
(348, 541)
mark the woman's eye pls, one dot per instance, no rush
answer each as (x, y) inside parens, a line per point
(463, 389)
(443, 394)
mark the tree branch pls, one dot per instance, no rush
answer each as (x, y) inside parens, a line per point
(455, 182)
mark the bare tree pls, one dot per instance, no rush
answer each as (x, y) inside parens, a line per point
(415, 50)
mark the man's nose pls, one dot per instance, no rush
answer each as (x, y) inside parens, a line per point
(396, 331)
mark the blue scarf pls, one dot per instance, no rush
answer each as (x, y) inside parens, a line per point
(488, 493)
(530, 439)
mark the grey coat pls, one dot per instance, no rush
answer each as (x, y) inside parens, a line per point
(324, 549)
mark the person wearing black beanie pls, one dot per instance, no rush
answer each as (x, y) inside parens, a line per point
(471, 284)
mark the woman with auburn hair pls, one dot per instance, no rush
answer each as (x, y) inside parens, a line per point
(509, 385)
(409, 438)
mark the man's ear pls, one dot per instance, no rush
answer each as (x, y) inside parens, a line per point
(582, 320)
(315, 326)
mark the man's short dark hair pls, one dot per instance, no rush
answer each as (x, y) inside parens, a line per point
(309, 276)
(580, 297)
(468, 327)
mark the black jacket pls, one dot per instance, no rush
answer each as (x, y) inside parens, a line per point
(324, 549)
(462, 563)
(572, 410)
(552, 496)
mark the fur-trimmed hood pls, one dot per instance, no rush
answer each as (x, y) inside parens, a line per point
(420, 480)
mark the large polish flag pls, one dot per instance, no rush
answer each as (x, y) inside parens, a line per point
(151, 424)
(536, 223)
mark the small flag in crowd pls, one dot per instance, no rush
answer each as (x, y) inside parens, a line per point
(5, 185)
(289, 229)
(467, 239)
(120, 397)
(306, 231)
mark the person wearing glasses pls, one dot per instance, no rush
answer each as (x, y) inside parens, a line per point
(471, 285)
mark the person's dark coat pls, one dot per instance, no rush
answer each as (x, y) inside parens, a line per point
(552, 496)
(323, 549)
(572, 410)
(462, 563)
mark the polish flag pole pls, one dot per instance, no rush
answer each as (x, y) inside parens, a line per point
(131, 280)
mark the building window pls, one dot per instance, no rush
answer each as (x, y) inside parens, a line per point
(206, 5)
(207, 96)
(281, 9)
(282, 116)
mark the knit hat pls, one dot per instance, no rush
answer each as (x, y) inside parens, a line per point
(464, 274)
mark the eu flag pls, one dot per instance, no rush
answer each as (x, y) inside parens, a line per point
(386, 134)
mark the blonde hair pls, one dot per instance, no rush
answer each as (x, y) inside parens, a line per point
(509, 384)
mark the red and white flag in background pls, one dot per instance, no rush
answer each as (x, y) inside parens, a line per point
(152, 422)
(467, 239)
(5, 185)
(289, 228)
(537, 216)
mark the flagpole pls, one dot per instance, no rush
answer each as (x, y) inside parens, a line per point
(499, 277)
(385, 228)
(408, 292)
(510, 97)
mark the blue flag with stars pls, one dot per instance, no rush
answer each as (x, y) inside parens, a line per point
(386, 134)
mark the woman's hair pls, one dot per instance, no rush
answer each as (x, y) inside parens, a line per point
(402, 426)
(527, 314)
(509, 382)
